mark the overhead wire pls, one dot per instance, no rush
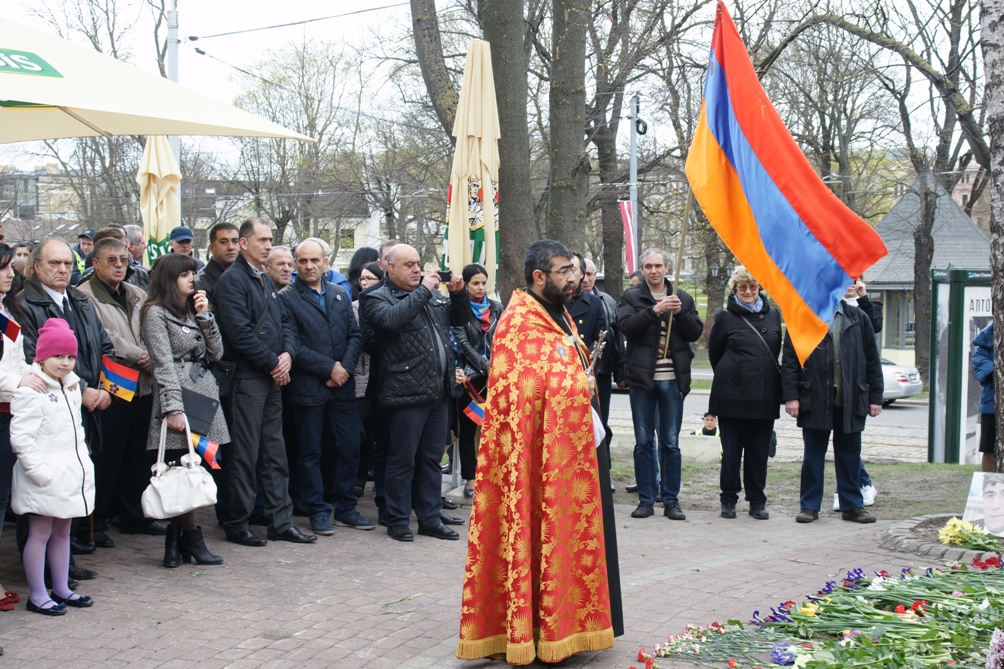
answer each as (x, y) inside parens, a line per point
(193, 38)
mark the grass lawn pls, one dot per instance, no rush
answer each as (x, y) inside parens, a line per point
(905, 490)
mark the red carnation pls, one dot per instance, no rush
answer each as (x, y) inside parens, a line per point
(649, 663)
(900, 609)
(732, 663)
(641, 655)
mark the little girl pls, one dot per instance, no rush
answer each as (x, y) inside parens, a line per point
(54, 476)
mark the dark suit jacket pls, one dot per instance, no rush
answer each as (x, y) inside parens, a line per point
(590, 317)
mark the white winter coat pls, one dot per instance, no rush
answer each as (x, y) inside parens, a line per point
(13, 365)
(54, 475)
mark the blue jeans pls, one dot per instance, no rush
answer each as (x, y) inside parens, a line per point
(665, 401)
(343, 421)
(846, 459)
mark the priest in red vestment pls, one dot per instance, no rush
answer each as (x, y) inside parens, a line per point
(536, 583)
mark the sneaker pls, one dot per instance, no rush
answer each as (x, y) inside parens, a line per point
(354, 520)
(674, 512)
(759, 512)
(321, 524)
(858, 516)
(631, 487)
(643, 511)
(836, 502)
(728, 509)
(806, 516)
(869, 492)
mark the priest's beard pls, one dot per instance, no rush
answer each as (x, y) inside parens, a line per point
(556, 294)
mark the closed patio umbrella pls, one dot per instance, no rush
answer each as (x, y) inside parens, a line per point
(473, 219)
(158, 179)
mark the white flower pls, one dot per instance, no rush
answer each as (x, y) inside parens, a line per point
(984, 605)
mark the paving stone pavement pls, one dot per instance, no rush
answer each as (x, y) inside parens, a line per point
(340, 602)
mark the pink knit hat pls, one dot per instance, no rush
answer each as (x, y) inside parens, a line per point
(55, 338)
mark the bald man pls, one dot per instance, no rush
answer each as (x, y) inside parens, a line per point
(411, 322)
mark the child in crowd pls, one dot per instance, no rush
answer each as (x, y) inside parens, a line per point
(54, 476)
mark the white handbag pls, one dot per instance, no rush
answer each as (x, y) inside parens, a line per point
(179, 489)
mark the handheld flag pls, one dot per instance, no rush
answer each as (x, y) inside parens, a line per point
(766, 201)
(206, 449)
(118, 379)
(476, 409)
(9, 328)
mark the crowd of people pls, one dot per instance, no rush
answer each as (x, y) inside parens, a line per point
(320, 382)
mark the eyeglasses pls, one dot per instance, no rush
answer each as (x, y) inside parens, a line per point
(747, 288)
(564, 271)
(117, 260)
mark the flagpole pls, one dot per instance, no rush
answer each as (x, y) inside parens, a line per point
(679, 262)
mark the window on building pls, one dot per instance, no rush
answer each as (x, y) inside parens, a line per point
(965, 200)
(900, 321)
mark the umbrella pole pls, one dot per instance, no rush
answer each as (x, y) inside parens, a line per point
(679, 262)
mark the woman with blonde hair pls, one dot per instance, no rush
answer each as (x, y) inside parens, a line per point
(744, 347)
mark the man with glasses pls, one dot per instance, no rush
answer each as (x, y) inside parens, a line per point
(658, 324)
(411, 322)
(121, 469)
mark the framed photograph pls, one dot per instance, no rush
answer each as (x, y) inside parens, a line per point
(985, 503)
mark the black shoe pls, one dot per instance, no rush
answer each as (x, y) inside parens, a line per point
(449, 506)
(438, 531)
(81, 602)
(293, 535)
(71, 584)
(729, 510)
(151, 527)
(299, 510)
(382, 519)
(759, 511)
(193, 546)
(447, 468)
(450, 520)
(78, 573)
(172, 547)
(246, 538)
(674, 512)
(658, 499)
(102, 540)
(643, 511)
(631, 487)
(400, 533)
(57, 610)
(81, 548)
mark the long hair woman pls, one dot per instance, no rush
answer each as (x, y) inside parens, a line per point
(360, 259)
(182, 337)
(475, 343)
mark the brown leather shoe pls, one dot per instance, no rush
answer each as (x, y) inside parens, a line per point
(858, 516)
(806, 516)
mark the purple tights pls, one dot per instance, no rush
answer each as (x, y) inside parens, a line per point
(47, 537)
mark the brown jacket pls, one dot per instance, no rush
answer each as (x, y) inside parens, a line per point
(123, 329)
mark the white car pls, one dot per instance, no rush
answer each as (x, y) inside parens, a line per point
(900, 382)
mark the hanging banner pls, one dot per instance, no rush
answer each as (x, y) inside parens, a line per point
(629, 251)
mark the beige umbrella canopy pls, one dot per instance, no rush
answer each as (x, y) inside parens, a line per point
(51, 89)
(158, 179)
(473, 194)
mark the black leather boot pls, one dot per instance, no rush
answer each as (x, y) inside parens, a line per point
(193, 547)
(172, 546)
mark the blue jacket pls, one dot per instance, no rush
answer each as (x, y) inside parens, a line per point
(983, 367)
(322, 339)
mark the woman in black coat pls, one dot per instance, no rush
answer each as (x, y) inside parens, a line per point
(474, 341)
(744, 347)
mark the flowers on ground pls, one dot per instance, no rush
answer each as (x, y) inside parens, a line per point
(966, 535)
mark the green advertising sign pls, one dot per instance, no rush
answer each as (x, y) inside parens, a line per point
(25, 62)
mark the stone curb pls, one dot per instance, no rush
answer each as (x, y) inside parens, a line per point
(898, 537)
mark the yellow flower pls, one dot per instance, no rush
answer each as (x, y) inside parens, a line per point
(809, 609)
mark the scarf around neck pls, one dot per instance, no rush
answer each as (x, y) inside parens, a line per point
(754, 308)
(482, 312)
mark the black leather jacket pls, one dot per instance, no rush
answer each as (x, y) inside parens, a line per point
(469, 338)
(412, 334)
(208, 277)
(39, 307)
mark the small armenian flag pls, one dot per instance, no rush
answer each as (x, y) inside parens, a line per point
(476, 409)
(207, 449)
(9, 328)
(118, 379)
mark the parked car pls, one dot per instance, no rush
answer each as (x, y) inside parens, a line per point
(900, 382)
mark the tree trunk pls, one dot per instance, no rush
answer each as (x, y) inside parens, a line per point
(504, 30)
(569, 162)
(923, 254)
(605, 141)
(992, 39)
(429, 50)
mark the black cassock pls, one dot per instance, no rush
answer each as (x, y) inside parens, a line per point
(610, 535)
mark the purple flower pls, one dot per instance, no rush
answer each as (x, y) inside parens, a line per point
(828, 588)
(779, 616)
(907, 571)
(757, 620)
(781, 655)
(995, 656)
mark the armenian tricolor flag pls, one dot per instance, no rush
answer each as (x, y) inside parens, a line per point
(206, 449)
(118, 379)
(476, 409)
(766, 201)
(9, 328)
